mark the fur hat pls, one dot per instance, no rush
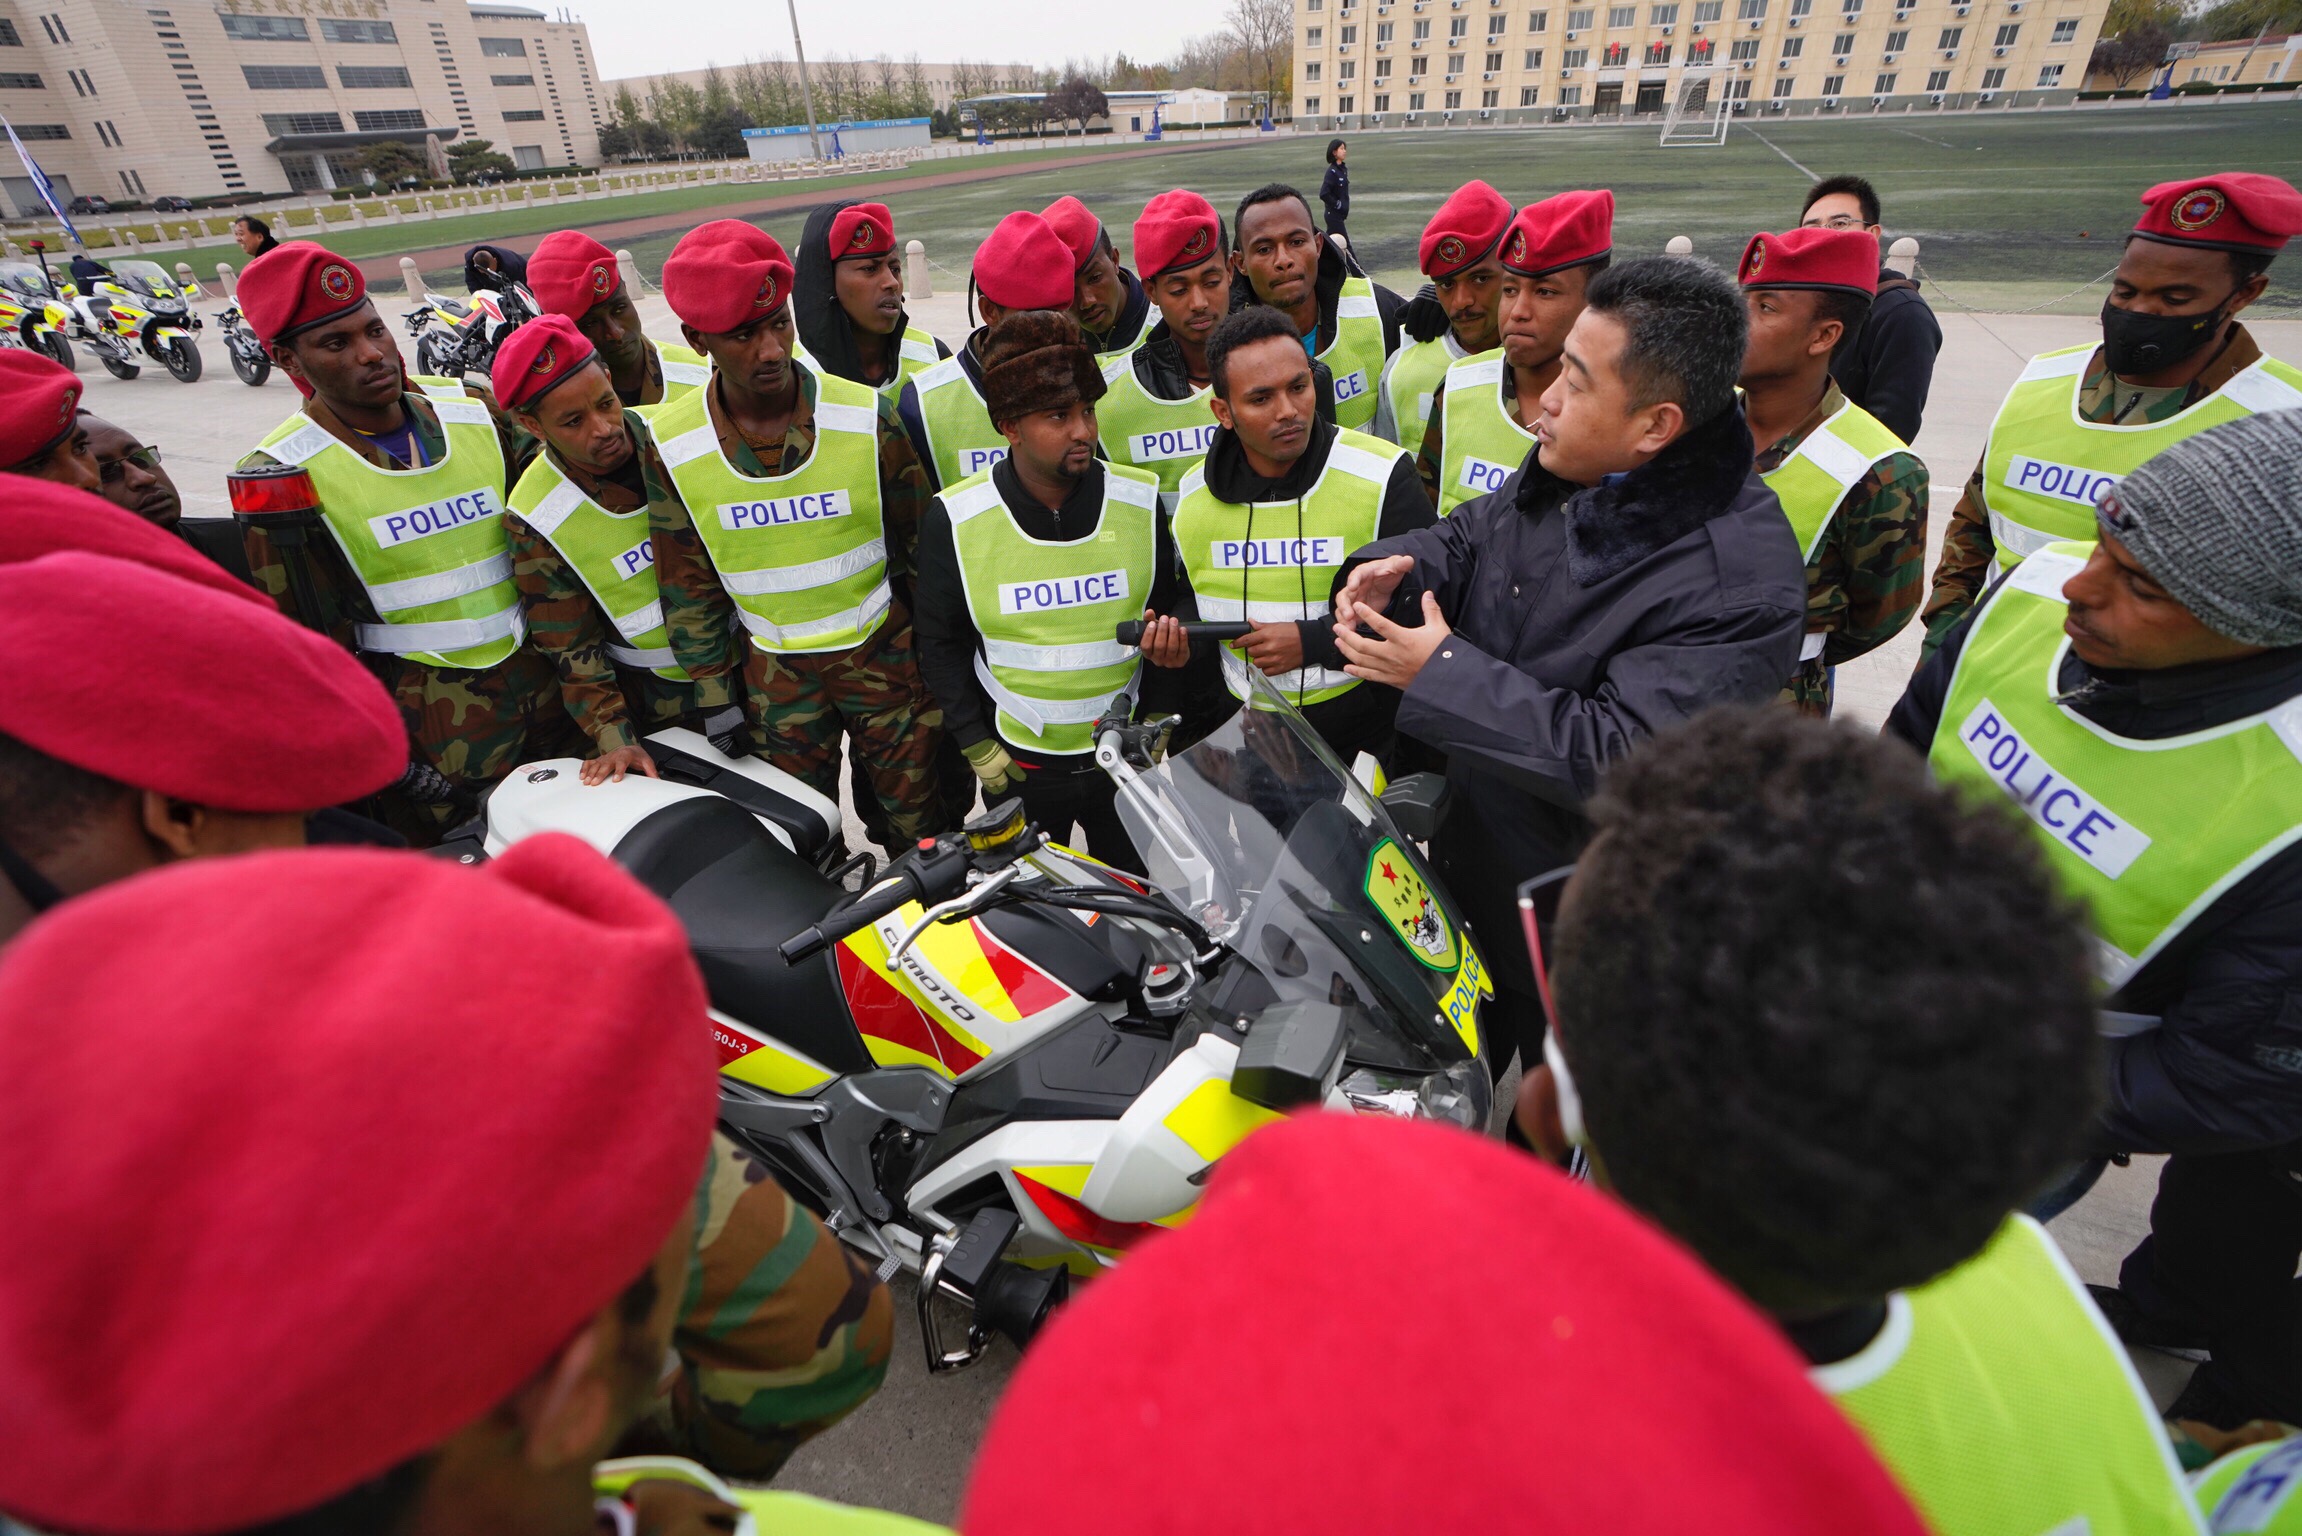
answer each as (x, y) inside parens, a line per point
(1037, 360)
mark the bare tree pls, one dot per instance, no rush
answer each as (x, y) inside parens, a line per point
(916, 100)
(1263, 32)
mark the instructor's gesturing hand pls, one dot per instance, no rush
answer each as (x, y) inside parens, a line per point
(1370, 586)
(1396, 654)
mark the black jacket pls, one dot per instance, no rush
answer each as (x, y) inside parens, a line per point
(1585, 620)
(1335, 191)
(1890, 367)
(1129, 321)
(511, 267)
(1160, 369)
(1334, 267)
(2223, 1070)
(948, 638)
(824, 328)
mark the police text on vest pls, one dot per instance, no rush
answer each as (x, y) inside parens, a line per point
(784, 511)
(974, 461)
(1062, 592)
(1484, 475)
(443, 516)
(1350, 386)
(1251, 554)
(2071, 816)
(638, 558)
(1172, 443)
(2062, 482)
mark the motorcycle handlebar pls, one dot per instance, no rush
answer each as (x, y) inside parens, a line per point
(1130, 631)
(937, 869)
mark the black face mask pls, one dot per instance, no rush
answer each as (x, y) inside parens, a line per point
(2135, 343)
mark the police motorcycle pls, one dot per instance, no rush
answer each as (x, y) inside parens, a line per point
(140, 311)
(31, 313)
(249, 359)
(454, 338)
(1000, 1063)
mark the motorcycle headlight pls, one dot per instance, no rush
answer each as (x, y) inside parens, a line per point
(1459, 1095)
(167, 306)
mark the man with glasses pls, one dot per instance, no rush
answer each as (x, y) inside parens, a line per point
(130, 476)
(1889, 365)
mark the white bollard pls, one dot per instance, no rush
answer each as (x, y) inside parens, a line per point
(916, 283)
(1679, 245)
(226, 283)
(632, 284)
(1902, 256)
(411, 277)
(184, 274)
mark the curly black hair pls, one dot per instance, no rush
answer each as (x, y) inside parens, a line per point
(1830, 1022)
(1240, 328)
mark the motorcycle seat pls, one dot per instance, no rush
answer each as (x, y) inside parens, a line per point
(741, 893)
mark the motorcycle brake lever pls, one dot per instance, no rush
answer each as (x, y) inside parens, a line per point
(943, 911)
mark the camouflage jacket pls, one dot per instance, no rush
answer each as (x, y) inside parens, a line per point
(565, 621)
(1862, 586)
(707, 633)
(1968, 551)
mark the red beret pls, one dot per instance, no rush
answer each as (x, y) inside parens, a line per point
(2235, 211)
(335, 1149)
(1562, 231)
(1176, 229)
(1024, 264)
(1464, 230)
(570, 272)
(1076, 226)
(725, 275)
(536, 357)
(1841, 259)
(297, 285)
(39, 401)
(1375, 1326)
(862, 229)
(205, 697)
(40, 517)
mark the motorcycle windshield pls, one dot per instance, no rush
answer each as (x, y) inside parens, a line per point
(25, 278)
(1260, 833)
(146, 277)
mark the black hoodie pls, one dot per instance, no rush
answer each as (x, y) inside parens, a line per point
(1133, 311)
(1334, 267)
(824, 328)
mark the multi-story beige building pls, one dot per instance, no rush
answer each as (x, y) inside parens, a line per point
(1361, 63)
(166, 98)
(2257, 61)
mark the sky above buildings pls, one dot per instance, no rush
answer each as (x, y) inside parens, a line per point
(631, 38)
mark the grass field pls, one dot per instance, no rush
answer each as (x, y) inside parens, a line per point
(2009, 210)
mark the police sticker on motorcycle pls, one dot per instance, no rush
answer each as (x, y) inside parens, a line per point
(442, 516)
(1400, 893)
(1460, 1006)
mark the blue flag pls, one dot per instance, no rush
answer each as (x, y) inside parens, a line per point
(41, 183)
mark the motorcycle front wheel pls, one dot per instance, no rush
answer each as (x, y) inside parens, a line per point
(252, 366)
(182, 357)
(58, 347)
(117, 367)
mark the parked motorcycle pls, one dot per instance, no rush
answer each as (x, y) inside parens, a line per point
(1001, 1063)
(140, 311)
(249, 359)
(32, 314)
(454, 338)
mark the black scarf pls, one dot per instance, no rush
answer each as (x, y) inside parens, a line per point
(824, 328)
(1612, 527)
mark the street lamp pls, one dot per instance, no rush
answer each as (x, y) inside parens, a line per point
(806, 96)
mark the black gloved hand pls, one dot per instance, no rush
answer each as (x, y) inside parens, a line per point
(425, 785)
(729, 732)
(1423, 318)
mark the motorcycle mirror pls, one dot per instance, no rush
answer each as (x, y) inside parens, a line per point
(272, 491)
(1415, 803)
(1292, 1055)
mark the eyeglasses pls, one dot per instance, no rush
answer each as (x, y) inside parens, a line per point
(1539, 918)
(1835, 221)
(113, 471)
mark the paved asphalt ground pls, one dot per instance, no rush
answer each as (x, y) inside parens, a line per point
(909, 1447)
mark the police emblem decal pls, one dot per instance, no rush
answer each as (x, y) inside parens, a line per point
(1757, 259)
(1451, 251)
(546, 360)
(766, 297)
(2195, 210)
(602, 279)
(336, 283)
(1196, 246)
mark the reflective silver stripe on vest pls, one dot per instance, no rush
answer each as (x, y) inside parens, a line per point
(1221, 610)
(640, 620)
(859, 618)
(304, 444)
(2024, 540)
(1835, 457)
(651, 657)
(441, 636)
(441, 586)
(830, 416)
(467, 413)
(1038, 714)
(802, 578)
(2259, 390)
(1084, 657)
(1229, 610)
(689, 445)
(1357, 306)
(973, 501)
(555, 509)
(1358, 461)
(442, 391)
(917, 351)
(1133, 492)
(1812, 645)
(2050, 366)
(698, 374)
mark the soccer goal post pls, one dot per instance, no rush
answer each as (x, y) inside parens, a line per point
(1699, 112)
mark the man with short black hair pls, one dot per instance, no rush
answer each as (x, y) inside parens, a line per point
(1632, 572)
(253, 235)
(1110, 305)
(1830, 1024)
(1347, 321)
(1888, 367)
(1460, 253)
(130, 474)
(1265, 523)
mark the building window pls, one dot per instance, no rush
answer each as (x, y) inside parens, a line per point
(1843, 44)
(1897, 41)
(1347, 70)
(1422, 31)
(2065, 31)
(1750, 10)
(1534, 59)
(1382, 71)
(1793, 47)
(1699, 51)
(1527, 94)
(1782, 88)
(1949, 38)
(2007, 34)
(1622, 15)
(1574, 58)
(1709, 10)
(1993, 79)
(1850, 7)
(1495, 25)
(2049, 76)
(1348, 35)
(1311, 105)
(1382, 103)
(1802, 7)
(373, 77)
(1744, 48)
(1616, 53)
(397, 119)
(511, 79)
(1346, 103)
(1570, 95)
(1494, 62)
(1579, 21)
(1538, 21)
(1459, 27)
(21, 83)
(1454, 63)
(1452, 100)
(1883, 85)
(1414, 101)
(537, 117)
(282, 125)
(1833, 84)
(336, 30)
(503, 48)
(1662, 15)
(285, 77)
(1384, 31)
(1311, 72)
(42, 131)
(1490, 98)
(10, 38)
(1939, 80)
(1658, 53)
(264, 29)
(1738, 90)
(1418, 67)
(1314, 37)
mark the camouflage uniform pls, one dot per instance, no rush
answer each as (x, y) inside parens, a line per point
(1969, 554)
(565, 621)
(1862, 584)
(474, 726)
(800, 702)
(783, 1331)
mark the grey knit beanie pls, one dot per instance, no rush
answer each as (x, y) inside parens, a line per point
(2217, 521)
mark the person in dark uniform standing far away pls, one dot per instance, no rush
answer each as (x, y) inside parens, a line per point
(574, 275)
(43, 433)
(1025, 569)
(1483, 414)
(1855, 495)
(1887, 365)
(2137, 698)
(1346, 320)
(1265, 523)
(1335, 189)
(1460, 253)
(1111, 306)
(847, 299)
(2174, 360)
(1633, 572)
